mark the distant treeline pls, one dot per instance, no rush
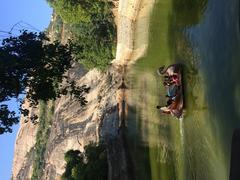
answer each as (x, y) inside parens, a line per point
(92, 28)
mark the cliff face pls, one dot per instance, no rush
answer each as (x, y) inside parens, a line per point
(26, 139)
(73, 126)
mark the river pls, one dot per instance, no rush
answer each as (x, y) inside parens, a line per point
(204, 36)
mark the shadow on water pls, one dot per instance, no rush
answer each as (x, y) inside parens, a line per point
(203, 35)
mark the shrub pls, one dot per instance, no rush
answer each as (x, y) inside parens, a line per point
(45, 119)
(86, 166)
(91, 24)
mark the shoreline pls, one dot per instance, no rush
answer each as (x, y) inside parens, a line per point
(133, 19)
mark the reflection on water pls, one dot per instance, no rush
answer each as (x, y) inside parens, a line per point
(203, 36)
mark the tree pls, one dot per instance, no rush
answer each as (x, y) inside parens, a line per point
(96, 39)
(86, 166)
(72, 11)
(93, 30)
(7, 119)
(31, 65)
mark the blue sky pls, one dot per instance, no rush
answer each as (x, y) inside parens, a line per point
(34, 14)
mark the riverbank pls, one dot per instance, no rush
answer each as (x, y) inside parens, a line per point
(132, 30)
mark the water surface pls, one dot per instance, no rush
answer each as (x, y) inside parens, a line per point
(203, 35)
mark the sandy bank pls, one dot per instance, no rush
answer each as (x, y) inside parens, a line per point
(132, 30)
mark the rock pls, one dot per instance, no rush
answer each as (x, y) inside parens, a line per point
(25, 141)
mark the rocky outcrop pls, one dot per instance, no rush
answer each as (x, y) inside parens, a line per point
(74, 126)
(26, 139)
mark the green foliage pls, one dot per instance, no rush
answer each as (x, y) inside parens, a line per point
(8, 119)
(94, 54)
(71, 11)
(29, 61)
(45, 119)
(95, 36)
(89, 166)
(96, 39)
(77, 92)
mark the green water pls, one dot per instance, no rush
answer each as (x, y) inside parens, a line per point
(203, 36)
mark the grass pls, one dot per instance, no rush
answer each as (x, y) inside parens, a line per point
(44, 127)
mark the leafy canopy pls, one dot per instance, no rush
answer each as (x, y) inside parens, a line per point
(93, 30)
(72, 11)
(31, 65)
(86, 166)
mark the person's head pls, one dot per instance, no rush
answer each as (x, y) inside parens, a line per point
(160, 70)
